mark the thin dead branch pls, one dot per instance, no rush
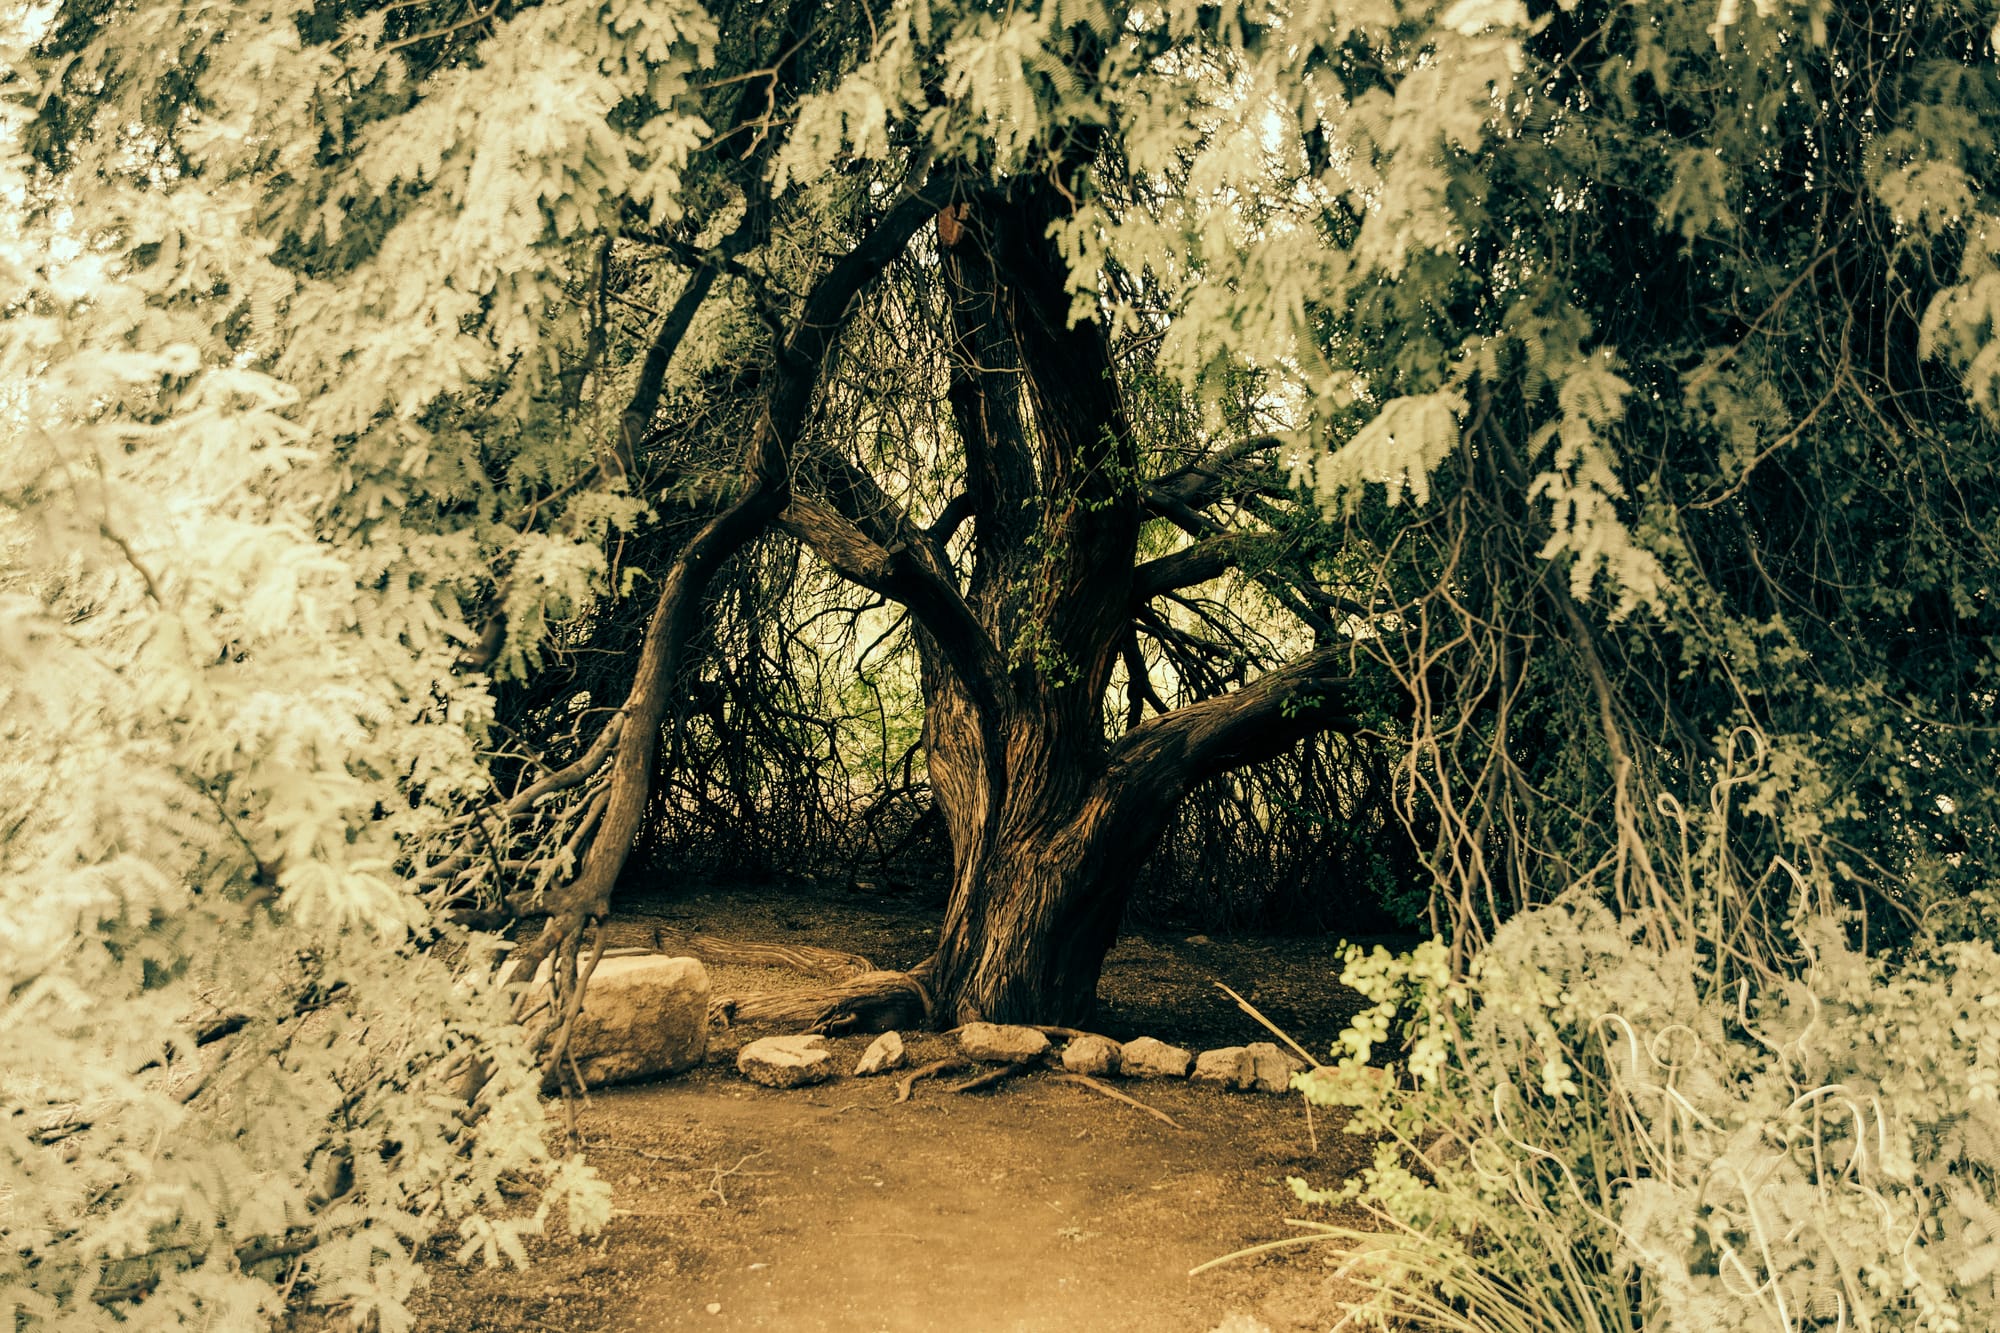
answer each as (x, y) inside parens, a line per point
(1086, 1081)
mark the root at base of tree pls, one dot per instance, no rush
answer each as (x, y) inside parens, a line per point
(871, 1002)
(906, 1084)
(993, 1076)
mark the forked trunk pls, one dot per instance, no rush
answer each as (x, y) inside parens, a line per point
(1033, 913)
(1018, 630)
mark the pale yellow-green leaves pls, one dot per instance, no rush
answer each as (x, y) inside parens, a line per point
(1927, 197)
(1698, 202)
(1782, 1156)
(1728, 13)
(1582, 488)
(1962, 325)
(223, 729)
(1399, 448)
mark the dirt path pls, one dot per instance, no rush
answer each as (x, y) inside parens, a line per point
(1038, 1207)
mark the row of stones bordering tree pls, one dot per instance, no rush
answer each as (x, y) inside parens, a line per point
(649, 1015)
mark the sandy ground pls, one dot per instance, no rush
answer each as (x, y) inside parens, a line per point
(1035, 1207)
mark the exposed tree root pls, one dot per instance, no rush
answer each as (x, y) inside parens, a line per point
(993, 1076)
(652, 935)
(870, 1002)
(935, 1067)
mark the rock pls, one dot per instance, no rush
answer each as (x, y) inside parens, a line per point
(642, 1017)
(1145, 1057)
(786, 1062)
(1225, 1067)
(1241, 1323)
(1272, 1068)
(883, 1054)
(1001, 1043)
(1091, 1054)
(1197, 939)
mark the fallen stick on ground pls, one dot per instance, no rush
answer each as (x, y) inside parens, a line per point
(909, 1081)
(1085, 1080)
(715, 1185)
(1276, 1031)
(993, 1076)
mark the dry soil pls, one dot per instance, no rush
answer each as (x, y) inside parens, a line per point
(1036, 1207)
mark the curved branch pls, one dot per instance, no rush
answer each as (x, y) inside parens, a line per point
(953, 517)
(1265, 718)
(765, 489)
(905, 577)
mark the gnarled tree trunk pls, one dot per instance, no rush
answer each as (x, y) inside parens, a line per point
(1049, 820)
(1044, 862)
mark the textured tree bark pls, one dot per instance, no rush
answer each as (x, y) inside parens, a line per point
(1033, 912)
(1040, 886)
(1049, 818)
(1049, 822)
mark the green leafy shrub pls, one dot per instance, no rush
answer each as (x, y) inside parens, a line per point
(1598, 1133)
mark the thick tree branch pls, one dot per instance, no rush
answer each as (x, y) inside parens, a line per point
(1263, 719)
(900, 574)
(985, 395)
(1160, 504)
(1201, 483)
(947, 524)
(1086, 453)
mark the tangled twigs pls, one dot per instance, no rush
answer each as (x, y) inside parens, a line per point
(715, 1185)
(494, 826)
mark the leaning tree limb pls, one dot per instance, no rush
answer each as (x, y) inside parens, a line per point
(763, 491)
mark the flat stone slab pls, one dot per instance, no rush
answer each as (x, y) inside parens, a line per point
(883, 1054)
(1148, 1057)
(642, 1017)
(1091, 1054)
(786, 1062)
(1002, 1043)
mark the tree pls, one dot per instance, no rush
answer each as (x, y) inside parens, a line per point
(1049, 818)
(1023, 578)
(369, 360)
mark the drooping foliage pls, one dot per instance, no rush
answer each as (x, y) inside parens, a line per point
(1701, 630)
(414, 413)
